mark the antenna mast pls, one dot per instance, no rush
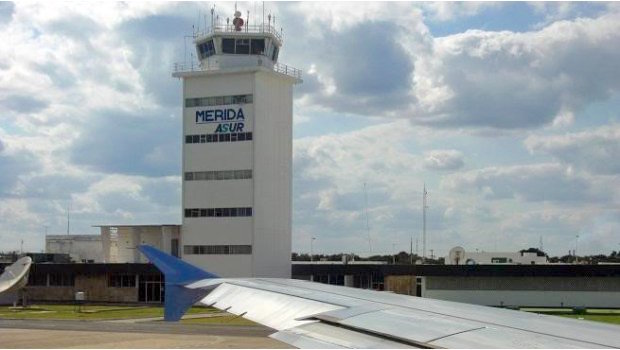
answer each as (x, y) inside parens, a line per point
(540, 244)
(424, 206)
(367, 226)
(68, 218)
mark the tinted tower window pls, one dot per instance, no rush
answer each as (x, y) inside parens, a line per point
(228, 45)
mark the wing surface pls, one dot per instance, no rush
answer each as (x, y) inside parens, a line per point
(314, 315)
(308, 314)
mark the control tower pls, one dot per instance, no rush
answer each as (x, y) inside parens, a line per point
(237, 151)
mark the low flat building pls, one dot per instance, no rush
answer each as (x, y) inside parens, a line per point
(458, 256)
(596, 286)
(101, 283)
(120, 242)
(493, 285)
(81, 248)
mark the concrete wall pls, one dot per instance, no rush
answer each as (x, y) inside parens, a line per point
(221, 193)
(119, 242)
(95, 287)
(269, 155)
(273, 149)
(527, 291)
(400, 284)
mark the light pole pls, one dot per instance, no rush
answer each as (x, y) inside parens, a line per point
(311, 243)
(576, 244)
(394, 251)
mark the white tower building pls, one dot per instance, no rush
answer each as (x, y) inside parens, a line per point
(237, 152)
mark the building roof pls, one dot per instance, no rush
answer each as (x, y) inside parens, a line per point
(148, 225)
(547, 270)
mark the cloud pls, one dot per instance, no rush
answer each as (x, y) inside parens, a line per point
(534, 183)
(596, 151)
(23, 104)
(13, 165)
(509, 80)
(367, 74)
(443, 160)
(448, 11)
(6, 11)
(118, 142)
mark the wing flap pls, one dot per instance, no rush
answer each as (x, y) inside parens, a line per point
(341, 337)
(274, 310)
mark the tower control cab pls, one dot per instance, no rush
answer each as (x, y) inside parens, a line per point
(238, 45)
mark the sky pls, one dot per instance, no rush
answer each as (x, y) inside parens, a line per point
(508, 112)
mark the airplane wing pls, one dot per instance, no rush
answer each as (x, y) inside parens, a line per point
(313, 315)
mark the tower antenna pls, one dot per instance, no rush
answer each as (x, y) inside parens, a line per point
(367, 226)
(540, 244)
(212, 11)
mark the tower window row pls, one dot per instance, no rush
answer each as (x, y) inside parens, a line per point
(218, 100)
(217, 212)
(209, 138)
(243, 46)
(217, 249)
(218, 175)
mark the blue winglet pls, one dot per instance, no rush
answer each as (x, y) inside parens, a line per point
(177, 274)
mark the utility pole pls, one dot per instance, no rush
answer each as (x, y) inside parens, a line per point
(411, 251)
(367, 226)
(424, 206)
(311, 243)
(576, 243)
(68, 218)
(394, 253)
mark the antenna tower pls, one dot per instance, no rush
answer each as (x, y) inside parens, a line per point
(540, 244)
(367, 226)
(424, 207)
(68, 218)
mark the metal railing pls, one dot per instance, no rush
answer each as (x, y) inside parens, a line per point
(259, 28)
(287, 70)
(195, 67)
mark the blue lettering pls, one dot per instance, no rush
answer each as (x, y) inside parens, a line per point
(200, 115)
(219, 115)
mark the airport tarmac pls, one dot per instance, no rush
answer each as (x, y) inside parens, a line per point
(106, 334)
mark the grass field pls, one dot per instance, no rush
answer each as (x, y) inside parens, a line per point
(597, 315)
(91, 312)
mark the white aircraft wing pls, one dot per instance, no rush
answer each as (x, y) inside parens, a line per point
(313, 315)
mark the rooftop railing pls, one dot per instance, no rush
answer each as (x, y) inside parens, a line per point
(259, 28)
(195, 67)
